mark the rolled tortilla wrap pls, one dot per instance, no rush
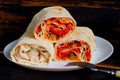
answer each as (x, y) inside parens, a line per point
(52, 23)
(30, 51)
(79, 46)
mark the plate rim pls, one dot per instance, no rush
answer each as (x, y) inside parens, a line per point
(111, 46)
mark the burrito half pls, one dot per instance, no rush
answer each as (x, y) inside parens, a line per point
(79, 46)
(52, 23)
(30, 51)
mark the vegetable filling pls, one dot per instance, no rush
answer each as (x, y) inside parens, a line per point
(74, 51)
(56, 28)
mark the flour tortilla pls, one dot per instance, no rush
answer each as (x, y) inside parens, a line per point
(47, 13)
(30, 51)
(80, 34)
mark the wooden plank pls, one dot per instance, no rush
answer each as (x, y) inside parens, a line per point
(90, 4)
(10, 2)
(7, 17)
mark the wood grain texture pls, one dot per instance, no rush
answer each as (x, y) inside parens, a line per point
(90, 4)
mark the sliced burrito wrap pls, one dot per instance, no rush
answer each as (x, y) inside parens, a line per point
(30, 51)
(52, 23)
(79, 46)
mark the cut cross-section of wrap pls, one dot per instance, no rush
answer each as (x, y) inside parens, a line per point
(79, 46)
(57, 28)
(30, 51)
(52, 23)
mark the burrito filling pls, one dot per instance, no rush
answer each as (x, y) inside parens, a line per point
(73, 51)
(38, 30)
(56, 28)
(31, 53)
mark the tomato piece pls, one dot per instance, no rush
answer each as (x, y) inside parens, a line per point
(60, 31)
(62, 51)
(53, 19)
(77, 50)
(65, 54)
(75, 44)
(88, 55)
(56, 30)
(38, 29)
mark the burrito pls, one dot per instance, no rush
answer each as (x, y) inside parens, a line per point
(79, 46)
(52, 23)
(30, 51)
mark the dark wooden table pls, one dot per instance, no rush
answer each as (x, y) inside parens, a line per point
(102, 17)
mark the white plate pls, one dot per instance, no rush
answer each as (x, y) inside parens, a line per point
(104, 51)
